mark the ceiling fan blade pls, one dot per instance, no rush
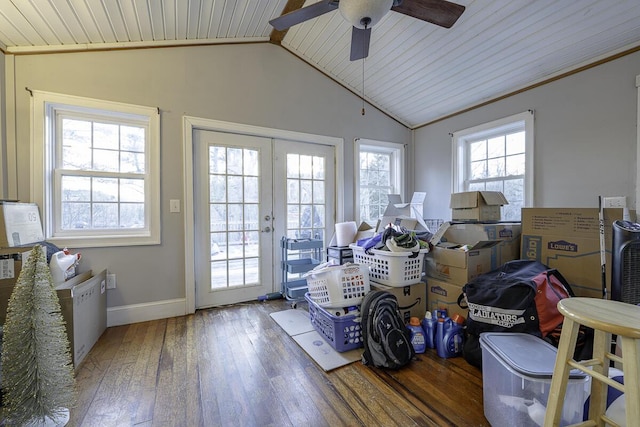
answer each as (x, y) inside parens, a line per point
(439, 12)
(304, 14)
(360, 43)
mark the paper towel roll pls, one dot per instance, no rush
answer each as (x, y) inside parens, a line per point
(346, 233)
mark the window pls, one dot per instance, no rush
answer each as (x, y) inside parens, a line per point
(497, 156)
(379, 172)
(98, 184)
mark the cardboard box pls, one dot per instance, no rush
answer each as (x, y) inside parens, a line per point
(508, 235)
(19, 224)
(477, 206)
(568, 239)
(11, 260)
(441, 294)
(461, 255)
(412, 299)
(407, 215)
(83, 301)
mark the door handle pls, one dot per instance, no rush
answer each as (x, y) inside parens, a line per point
(267, 229)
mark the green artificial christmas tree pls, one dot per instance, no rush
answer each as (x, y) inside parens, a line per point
(37, 370)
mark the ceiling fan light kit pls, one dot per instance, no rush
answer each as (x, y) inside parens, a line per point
(364, 14)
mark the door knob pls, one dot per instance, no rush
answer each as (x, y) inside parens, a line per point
(267, 229)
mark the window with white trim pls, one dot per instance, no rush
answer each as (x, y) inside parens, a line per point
(497, 156)
(96, 171)
(378, 173)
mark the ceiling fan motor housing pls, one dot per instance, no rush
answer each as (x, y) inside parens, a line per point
(364, 14)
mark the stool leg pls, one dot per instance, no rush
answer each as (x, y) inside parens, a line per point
(631, 369)
(560, 377)
(598, 399)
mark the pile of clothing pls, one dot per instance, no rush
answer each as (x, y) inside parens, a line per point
(396, 238)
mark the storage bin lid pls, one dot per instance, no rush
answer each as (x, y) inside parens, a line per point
(524, 353)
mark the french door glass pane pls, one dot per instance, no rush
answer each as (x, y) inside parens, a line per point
(234, 197)
(305, 196)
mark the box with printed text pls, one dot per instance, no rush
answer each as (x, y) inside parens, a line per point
(441, 294)
(412, 299)
(568, 239)
(19, 224)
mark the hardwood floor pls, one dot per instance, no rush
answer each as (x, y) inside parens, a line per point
(234, 366)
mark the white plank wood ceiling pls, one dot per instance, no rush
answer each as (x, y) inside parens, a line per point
(416, 72)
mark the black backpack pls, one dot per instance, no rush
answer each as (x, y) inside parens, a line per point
(387, 341)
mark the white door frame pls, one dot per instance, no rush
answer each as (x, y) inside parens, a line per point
(189, 125)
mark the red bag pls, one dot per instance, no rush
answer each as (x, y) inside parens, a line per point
(550, 290)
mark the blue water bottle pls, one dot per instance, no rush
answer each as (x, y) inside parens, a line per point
(417, 335)
(429, 324)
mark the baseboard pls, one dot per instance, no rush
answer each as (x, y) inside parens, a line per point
(134, 313)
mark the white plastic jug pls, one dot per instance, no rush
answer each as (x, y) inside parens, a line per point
(63, 266)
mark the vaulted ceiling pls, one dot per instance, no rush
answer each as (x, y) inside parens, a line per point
(416, 72)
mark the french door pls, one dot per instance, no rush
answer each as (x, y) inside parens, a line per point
(304, 196)
(242, 210)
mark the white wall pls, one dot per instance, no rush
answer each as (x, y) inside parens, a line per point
(585, 139)
(254, 84)
(3, 118)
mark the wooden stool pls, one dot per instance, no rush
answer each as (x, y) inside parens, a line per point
(606, 317)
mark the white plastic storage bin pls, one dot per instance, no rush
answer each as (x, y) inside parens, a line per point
(516, 377)
(396, 269)
(338, 285)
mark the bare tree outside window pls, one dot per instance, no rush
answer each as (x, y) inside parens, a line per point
(115, 197)
(379, 173)
(100, 180)
(497, 156)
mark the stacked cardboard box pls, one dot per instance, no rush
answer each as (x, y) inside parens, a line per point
(83, 299)
(568, 239)
(477, 206)
(11, 260)
(20, 226)
(465, 250)
(412, 298)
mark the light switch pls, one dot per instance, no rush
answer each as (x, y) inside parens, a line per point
(174, 205)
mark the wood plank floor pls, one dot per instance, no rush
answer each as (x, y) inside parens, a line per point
(234, 366)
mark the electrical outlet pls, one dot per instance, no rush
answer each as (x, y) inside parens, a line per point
(614, 202)
(111, 281)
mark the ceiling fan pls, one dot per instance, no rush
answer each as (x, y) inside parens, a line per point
(364, 14)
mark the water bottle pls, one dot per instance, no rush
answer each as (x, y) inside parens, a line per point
(429, 324)
(417, 335)
(449, 338)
